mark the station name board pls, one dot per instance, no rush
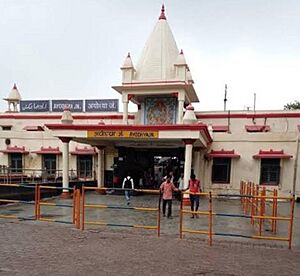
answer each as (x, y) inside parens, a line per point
(101, 105)
(74, 105)
(34, 106)
(123, 134)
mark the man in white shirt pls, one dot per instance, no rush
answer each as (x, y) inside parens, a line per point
(128, 185)
(181, 182)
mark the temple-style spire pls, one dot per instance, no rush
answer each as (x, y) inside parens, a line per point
(162, 14)
(128, 70)
(157, 60)
(13, 98)
(14, 93)
(128, 62)
(180, 59)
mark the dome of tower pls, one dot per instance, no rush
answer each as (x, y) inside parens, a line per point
(127, 62)
(14, 94)
(180, 59)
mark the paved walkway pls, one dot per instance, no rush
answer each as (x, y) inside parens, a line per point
(34, 248)
(37, 248)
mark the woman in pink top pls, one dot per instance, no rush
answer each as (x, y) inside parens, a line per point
(167, 189)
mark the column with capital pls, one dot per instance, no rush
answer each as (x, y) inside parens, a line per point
(187, 168)
(196, 161)
(65, 166)
(188, 160)
(125, 99)
(180, 108)
(100, 170)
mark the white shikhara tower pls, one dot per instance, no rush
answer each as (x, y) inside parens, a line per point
(161, 71)
(160, 84)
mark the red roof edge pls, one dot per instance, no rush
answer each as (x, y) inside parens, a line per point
(15, 149)
(278, 114)
(220, 128)
(84, 151)
(58, 116)
(198, 126)
(48, 150)
(33, 128)
(223, 154)
(272, 154)
(194, 127)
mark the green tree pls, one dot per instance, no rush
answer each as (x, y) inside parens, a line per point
(292, 106)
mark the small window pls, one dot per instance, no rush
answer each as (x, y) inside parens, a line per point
(49, 164)
(221, 170)
(85, 166)
(270, 171)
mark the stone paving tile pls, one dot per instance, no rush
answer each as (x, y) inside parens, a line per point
(35, 248)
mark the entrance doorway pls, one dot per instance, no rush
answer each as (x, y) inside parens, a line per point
(147, 167)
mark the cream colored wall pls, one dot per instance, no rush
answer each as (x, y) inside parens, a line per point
(282, 136)
(34, 140)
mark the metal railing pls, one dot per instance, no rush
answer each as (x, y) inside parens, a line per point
(255, 209)
(26, 175)
(86, 206)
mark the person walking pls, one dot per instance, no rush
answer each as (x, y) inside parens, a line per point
(194, 187)
(180, 186)
(128, 185)
(167, 188)
(181, 182)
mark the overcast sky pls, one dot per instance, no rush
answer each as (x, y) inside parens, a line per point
(73, 49)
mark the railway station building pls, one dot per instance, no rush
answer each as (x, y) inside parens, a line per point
(92, 141)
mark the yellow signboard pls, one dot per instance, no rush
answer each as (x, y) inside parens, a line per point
(132, 134)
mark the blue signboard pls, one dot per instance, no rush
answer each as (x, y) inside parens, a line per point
(101, 105)
(35, 106)
(74, 105)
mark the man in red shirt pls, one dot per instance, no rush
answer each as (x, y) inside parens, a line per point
(194, 187)
(167, 189)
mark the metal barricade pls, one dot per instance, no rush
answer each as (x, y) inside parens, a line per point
(104, 206)
(75, 205)
(248, 200)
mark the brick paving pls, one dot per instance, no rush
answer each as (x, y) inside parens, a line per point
(35, 248)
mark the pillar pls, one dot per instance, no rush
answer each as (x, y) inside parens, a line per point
(180, 96)
(196, 162)
(188, 160)
(100, 170)
(65, 166)
(180, 111)
(125, 109)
